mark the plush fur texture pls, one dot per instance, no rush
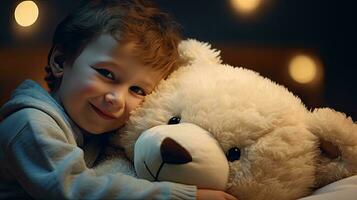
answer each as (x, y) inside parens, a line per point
(277, 136)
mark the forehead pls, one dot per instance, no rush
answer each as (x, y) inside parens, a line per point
(108, 51)
(110, 46)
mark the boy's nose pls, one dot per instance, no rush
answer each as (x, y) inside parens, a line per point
(114, 100)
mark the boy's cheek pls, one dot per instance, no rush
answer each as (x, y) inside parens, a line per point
(88, 87)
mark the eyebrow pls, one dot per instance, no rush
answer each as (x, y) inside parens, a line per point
(147, 84)
(108, 62)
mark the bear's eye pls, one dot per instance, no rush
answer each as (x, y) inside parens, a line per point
(174, 120)
(233, 154)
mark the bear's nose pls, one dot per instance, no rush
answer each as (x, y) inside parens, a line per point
(173, 153)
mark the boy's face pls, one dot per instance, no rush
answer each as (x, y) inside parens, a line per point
(104, 84)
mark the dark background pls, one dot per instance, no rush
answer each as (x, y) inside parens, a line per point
(262, 42)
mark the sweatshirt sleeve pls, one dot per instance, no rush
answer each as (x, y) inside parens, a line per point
(47, 166)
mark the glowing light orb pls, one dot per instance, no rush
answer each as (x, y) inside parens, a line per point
(245, 6)
(303, 69)
(26, 13)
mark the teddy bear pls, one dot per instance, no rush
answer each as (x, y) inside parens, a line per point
(228, 128)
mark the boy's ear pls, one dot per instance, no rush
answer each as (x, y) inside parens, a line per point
(57, 60)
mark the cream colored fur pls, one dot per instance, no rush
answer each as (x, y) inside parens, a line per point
(278, 137)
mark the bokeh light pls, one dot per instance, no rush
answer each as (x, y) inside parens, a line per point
(26, 13)
(245, 6)
(303, 69)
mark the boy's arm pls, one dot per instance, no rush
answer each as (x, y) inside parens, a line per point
(47, 166)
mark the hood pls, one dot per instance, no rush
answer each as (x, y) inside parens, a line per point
(29, 94)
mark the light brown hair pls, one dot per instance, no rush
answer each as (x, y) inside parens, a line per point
(154, 33)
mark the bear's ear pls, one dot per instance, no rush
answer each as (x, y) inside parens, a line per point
(329, 150)
(336, 132)
(192, 51)
(337, 136)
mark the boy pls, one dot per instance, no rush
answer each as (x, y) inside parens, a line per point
(106, 56)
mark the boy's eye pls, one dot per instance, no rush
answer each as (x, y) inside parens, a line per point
(106, 73)
(137, 90)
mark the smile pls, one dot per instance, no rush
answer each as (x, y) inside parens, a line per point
(102, 114)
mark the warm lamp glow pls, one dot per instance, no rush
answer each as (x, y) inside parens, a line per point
(245, 6)
(303, 69)
(26, 13)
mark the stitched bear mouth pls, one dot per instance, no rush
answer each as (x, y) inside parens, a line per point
(171, 153)
(156, 177)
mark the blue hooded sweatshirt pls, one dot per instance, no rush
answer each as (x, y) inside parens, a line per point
(43, 156)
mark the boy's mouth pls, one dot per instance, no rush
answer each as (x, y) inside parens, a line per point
(102, 114)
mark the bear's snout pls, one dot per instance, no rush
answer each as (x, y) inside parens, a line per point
(186, 149)
(173, 153)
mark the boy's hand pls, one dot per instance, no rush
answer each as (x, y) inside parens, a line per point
(204, 194)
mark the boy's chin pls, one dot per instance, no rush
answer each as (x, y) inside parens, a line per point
(98, 131)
